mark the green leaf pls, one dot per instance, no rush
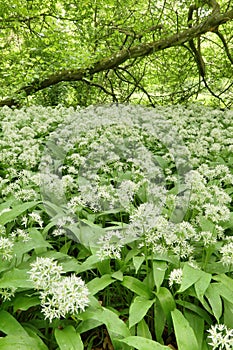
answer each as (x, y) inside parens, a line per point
(36, 241)
(137, 262)
(138, 309)
(198, 310)
(9, 325)
(116, 327)
(88, 264)
(206, 225)
(167, 302)
(68, 339)
(15, 212)
(214, 300)
(141, 343)
(118, 275)
(88, 235)
(227, 281)
(17, 337)
(19, 342)
(16, 278)
(143, 330)
(227, 314)
(24, 302)
(202, 284)
(190, 276)
(159, 321)
(197, 324)
(224, 291)
(184, 334)
(36, 339)
(88, 324)
(137, 287)
(99, 283)
(159, 269)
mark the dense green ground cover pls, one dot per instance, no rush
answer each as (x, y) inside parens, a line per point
(116, 223)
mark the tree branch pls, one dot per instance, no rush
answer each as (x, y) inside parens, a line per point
(223, 40)
(144, 49)
(91, 83)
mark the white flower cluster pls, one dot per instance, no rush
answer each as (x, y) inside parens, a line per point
(7, 241)
(60, 295)
(173, 238)
(175, 277)
(6, 248)
(227, 254)
(7, 293)
(110, 245)
(209, 199)
(221, 338)
(22, 137)
(111, 151)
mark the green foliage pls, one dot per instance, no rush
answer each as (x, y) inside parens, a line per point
(68, 339)
(39, 41)
(185, 335)
(101, 260)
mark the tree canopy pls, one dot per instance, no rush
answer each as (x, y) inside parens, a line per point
(152, 52)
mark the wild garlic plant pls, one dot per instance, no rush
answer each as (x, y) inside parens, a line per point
(111, 210)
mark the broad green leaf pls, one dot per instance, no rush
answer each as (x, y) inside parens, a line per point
(16, 278)
(167, 302)
(217, 268)
(225, 292)
(88, 235)
(104, 267)
(88, 264)
(190, 276)
(131, 254)
(36, 339)
(9, 325)
(24, 302)
(141, 343)
(197, 309)
(159, 269)
(197, 324)
(6, 205)
(159, 321)
(15, 212)
(206, 225)
(118, 275)
(227, 314)
(53, 210)
(143, 330)
(227, 281)
(137, 262)
(19, 342)
(138, 309)
(36, 241)
(116, 327)
(161, 161)
(184, 334)
(137, 287)
(68, 339)
(88, 324)
(202, 284)
(214, 300)
(99, 283)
